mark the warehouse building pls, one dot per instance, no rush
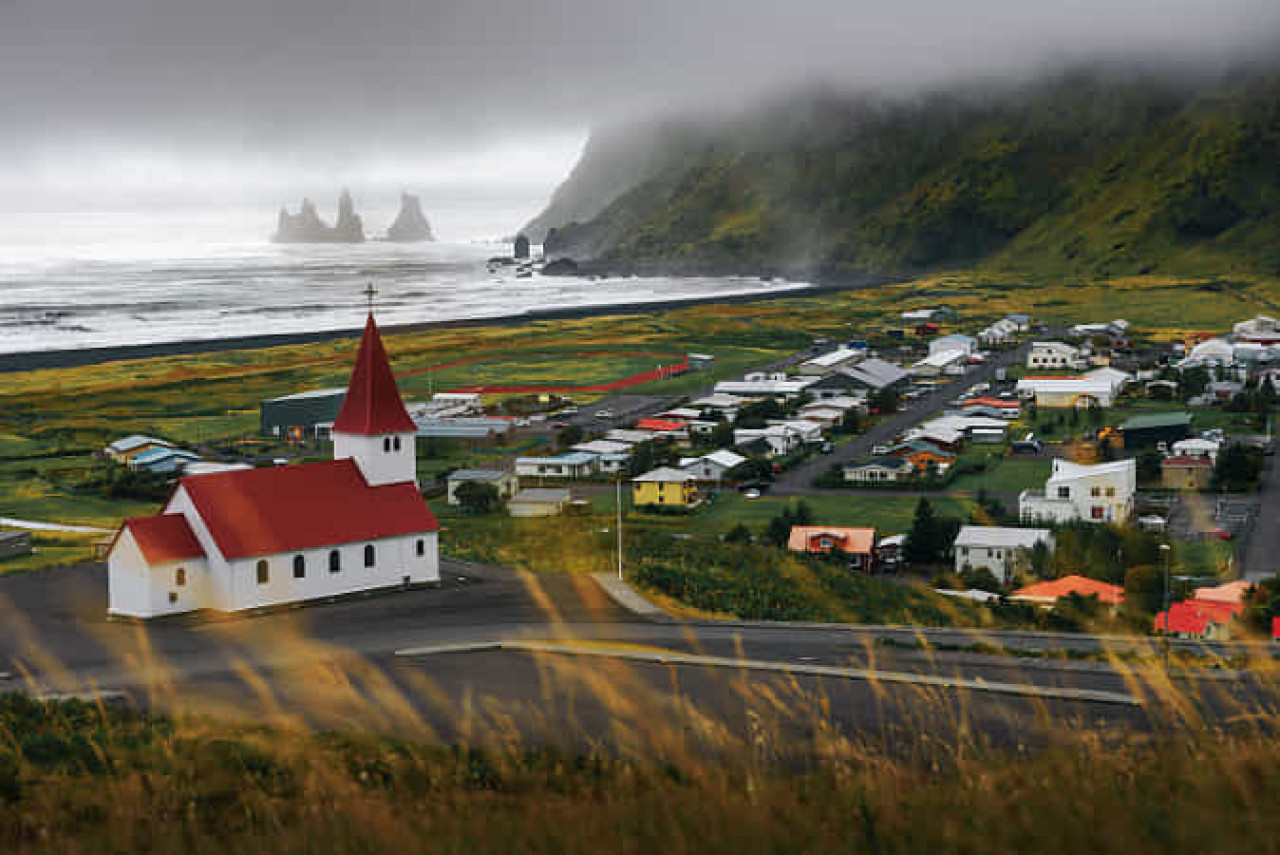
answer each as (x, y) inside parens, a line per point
(303, 415)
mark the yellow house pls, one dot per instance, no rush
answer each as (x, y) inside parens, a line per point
(665, 486)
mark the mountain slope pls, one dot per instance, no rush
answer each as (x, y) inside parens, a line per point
(1083, 174)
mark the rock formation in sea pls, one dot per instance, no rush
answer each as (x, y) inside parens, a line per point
(410, 224)
(307, 227)
(521, 249)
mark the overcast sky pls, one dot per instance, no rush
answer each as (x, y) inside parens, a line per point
(283, 94)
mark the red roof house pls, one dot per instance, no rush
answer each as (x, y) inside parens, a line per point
(1198, 619)
(857, 543)
(661, 425)
(1047, 593)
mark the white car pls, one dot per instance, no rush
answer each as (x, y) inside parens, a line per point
(880, 449)
(604, 414)
(753, 493)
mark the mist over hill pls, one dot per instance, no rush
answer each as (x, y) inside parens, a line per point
(1094, 172)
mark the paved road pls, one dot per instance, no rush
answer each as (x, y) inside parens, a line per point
(334, 666)
(1262, 552)
(800, 479)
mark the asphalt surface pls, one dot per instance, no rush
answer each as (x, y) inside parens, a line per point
(1262, 551)
(800, 478)
(334, 666)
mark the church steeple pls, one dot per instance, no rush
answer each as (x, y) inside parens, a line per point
(373, 428)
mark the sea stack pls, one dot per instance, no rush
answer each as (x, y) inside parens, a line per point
(410, 224)
(307, 227)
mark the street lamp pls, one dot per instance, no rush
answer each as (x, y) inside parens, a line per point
(1165, 550)
(618, 505)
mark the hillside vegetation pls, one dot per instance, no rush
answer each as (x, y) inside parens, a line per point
(1088, 173)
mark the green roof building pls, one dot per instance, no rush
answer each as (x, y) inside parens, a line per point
(1152, 428)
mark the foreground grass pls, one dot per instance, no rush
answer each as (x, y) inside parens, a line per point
(75, 778)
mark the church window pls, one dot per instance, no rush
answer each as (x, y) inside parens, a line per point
(422, 547)
(386, 443)
(299, 567)
(264, 573)
(396, 443)
(335, 561)
(180, 576)
(368, 555)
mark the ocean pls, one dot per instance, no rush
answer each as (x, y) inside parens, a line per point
(111, 278)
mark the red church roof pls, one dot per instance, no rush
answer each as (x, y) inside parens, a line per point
(164, 538)
(373, 404)
(254, 512)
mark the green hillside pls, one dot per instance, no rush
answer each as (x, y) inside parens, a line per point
(1085, 174)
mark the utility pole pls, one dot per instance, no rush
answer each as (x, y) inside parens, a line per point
(1165, 549)
(618, 505)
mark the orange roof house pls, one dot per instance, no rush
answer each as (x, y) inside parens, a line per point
(858, 543)
(1230, 592)
(1047, 593)
(1198, 619)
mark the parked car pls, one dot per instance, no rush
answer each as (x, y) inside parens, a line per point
(604, 414)
(753, 493)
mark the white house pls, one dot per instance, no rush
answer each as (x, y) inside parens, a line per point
(713, 466)
(1000, 550)
(827, 362)
(1101, 493)
(1053, 355)
(964, 343)
(1196, 447)
(879, 469)
(573, 464)
(539, 502)
(780, 439)
(1263, 329)
(252, 538)
(1068, 392)
(942, 362)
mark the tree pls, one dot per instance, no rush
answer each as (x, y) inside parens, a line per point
(1236, 468)
(1149, 466)
(476, 497)
(570, 436)
(778, 532)
(930, 537)
(751, 469)
(738, 534)
(884, 400)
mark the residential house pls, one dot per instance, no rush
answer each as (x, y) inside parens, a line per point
(1205, 619)
(946, 362)
(879, 469)
(1003, 551)
(1003, 331)
(1227, 592)
(825, 363)
(1179, 472)
(506, 483)
(162, 460)
(866, 377)
(775, 440)
(712, 467)
(664, 487)
(1262, 329)
(724, 404)
(858, 544)
(601, 447)
(124, 450)
(1100, 493)
(1197, 447)
(1053, 355)
(966, 344)
(571, 465)
(1048, 593)
(629, 436)
(1067, 392)
(992, 407)
(539, 502)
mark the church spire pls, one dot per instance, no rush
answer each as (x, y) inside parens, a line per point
(373, 406)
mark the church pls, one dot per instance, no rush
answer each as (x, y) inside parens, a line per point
(248, 539)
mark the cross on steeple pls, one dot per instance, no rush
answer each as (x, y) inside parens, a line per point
(370, 292)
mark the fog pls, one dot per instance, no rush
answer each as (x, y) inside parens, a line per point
(259, 101)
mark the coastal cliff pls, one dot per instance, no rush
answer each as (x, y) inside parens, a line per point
(306, 226)
(410, 224)
(1085, 173)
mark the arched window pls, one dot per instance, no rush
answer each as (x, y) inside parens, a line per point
(386, 443)
(396, 443)
(180, 576)
(264, 573)
(368, 555)
(335, 561)
(299, 567)
(422, 547)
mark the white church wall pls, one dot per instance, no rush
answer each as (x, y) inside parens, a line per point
(217, 591)
(136, 589)
(395, 561)
(379, 458)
